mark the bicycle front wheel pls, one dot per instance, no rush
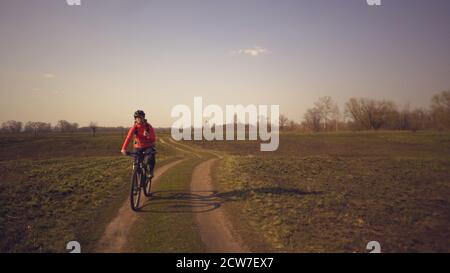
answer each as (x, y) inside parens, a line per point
(135, 193)
(148, 187)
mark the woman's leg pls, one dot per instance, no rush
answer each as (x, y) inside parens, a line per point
(150, 161)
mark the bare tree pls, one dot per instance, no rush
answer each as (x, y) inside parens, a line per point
(283, 122)
(93, 126)
(371, 114)
(354, 111)
(312, 119)
(37, 127)
(324, 105)
(329, 112)
(386, 115)
(74, 127)
(65, 126)
(336, 116)
(440, 110)
(12, 126)
(404, 119)
(292, 125)
(62, 126)
(420, 119)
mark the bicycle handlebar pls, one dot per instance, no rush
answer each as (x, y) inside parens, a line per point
(137, 153)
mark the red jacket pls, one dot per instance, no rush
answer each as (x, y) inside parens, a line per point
(140, 140)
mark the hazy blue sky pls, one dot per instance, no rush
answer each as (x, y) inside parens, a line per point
(103, 60)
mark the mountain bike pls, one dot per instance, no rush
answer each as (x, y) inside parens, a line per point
(139, 179)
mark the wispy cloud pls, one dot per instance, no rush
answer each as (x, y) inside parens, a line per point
(252, 51)
(49, 75)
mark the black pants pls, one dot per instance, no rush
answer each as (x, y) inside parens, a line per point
(149, 160)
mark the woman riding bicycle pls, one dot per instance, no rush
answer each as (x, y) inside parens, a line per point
(144, 141)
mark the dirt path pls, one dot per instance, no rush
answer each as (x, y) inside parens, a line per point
(185, 150)
(115, 236)
(215, 231)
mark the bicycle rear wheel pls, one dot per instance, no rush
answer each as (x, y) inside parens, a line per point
(135, 193)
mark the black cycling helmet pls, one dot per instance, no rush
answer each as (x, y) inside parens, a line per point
(139, 114)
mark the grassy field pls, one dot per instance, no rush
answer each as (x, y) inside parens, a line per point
(61, 187)
(334, 192)
(330, 192)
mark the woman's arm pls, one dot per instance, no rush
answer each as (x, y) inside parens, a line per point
(127, 139)
(152, 136)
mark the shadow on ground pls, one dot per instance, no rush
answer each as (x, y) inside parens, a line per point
(205, 201)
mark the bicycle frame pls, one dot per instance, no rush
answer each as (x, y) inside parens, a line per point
(139, 160)
(138, 163)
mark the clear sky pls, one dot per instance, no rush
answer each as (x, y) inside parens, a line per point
(107, 58)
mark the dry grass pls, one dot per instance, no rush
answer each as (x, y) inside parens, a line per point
(336, 192)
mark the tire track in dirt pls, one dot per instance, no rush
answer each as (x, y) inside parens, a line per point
(115, 236)
(185, 150)
(216, 231)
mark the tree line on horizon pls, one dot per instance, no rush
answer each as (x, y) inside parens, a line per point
(325, 115)
(371, 114)
(62, 126)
